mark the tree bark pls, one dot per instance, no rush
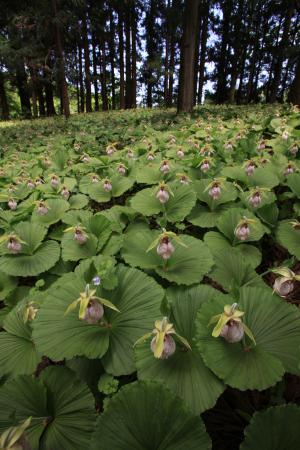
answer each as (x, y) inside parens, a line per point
(23, 90)
(237, 46)
(112, 58)
(88, 92)
(3, 99)
(187, 57)
(103, 78)
(222, 63)
(81, 86)
(134, 54)
(128, 57)
(203, 45)
(281, 52)
(121, 57)
(294, 93)
(150, 39)
(62, 75)
(95, 75)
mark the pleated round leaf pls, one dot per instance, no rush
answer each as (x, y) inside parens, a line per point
(266, 199)
(45, 257)
(175, 210)
(97, 193)
(186, 266)
(277, 428)
(293, 181)
(149, 174)
(57, 209)
(78, 201)
(203, 217)
(264, 177)
(138, 298)
(228, 193)
(289, 237)
(73, 251)
(7, 285)
(276, 328)
(217, 243)
(119, 186)
(61, 407)
(18, 354)
(229, 220)
(147, 416)
(184, 372)
(32, 234)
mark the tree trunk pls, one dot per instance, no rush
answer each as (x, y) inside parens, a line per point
(23, 90)
(134, 54)
(121, 58)
(294, 94)
(150, 39)
(32, 72)
(49, 95)
(103, 78)
(60, 54)
(3, 99)
(203, 44)
(95, 75)
(88, 92)
(171, 71)
(127, 58)
(197, 52)
(112, 58)
(237, 45)
(187, 57)
(281, 52)
(81, 86)
(239, 96)
(222, 63)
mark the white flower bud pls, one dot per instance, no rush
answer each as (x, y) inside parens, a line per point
(122, 169)
(294, 149)
(165, 248)
(95, 179)
(12, 204)
(180, 153)
(165, 168)
(169, 346)
(30, 184)
(162, 195)
(94, 312)
(80, 236)
(255, 200)
(288, 170)
(110, 151)
(65, 193)
(250, 169)
(150, 157)
(205, 166)
(42, 209)
(242, 232)
(14, 246)
(54, 182)
(107, 186)
(215, 191)
(283, 286)
(285, 135)
(233, 332)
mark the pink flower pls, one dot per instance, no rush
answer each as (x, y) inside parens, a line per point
(215, 191)
(250, 169)
(94, 312)
(165, 248)
(169, 346)
(242, 232)
(255, 200)
(14, 246)
(162, 195)
(233, 331)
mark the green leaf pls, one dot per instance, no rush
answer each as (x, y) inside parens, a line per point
(276, 329)
(217, 243)
(229, 220)
(187, 265)
(275, 428)
(43, 259)
(289, 237)
(61, 407)
(73, 251)
(57, 209)
(18, 354)
(78, 201)
(184, 372)
(144, 416)
(138, 298)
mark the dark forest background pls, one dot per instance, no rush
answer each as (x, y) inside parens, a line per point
(58, 56)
